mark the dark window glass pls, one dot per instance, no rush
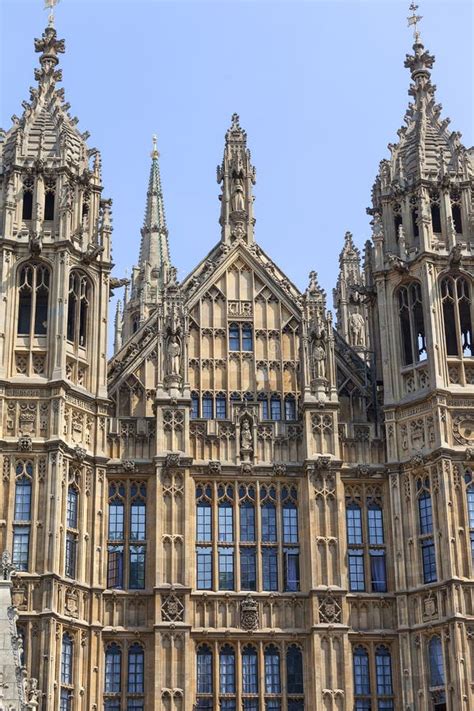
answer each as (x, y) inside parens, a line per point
(115, 567)
(448, 300)
(426, 513)
(234, 337)
(247, 338)
(137, 567)
(204, 568)
(270, 568)
(290, 523)
(72, 504)
(221, 407)
(116, 520)
(226, 568)
(66, 660)
(138, 520)
(383, 672)
(65, 700)
(290, 408)
(378, 573)
(275, 405)
(269, 524)
(435, 652)
(291, 569)
(207, 407)
(227, 670)
(361, 672)
(265, 410)
(71, 555)
(375, 525)
(429, 561)
(204, 522)
(414, 222)
(470, 505)
(457, 218)
(27, 209)
(436, 218)
(248, 569)
(42, 294)
(136, 669)
(272, 671)
(23, 499)
(204, 670)
(21, 544)
(294, 670)
(226, 522)
(354, 524)
(247, 521)
(49, 206)
(194, 406)
(249, 671)
(356, 569)
(113, 664)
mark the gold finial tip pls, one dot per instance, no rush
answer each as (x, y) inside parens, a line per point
(154, 153)
(414, 19)
(50, 5)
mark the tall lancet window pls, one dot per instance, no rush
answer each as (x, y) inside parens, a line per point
(437, 676)
(67, 688)
(33, 295)
(27, 206)
(78, 308)
(457, 306)
(412, 325)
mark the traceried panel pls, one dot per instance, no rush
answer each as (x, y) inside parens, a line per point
(243, 347)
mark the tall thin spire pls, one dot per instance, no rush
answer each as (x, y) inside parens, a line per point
(154, 247)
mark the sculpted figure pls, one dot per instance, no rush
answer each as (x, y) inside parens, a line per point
(237, 201)
(319, 359)
(173, 355)
(357, 329)
(246, 435)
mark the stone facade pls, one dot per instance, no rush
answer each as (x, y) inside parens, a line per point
(249, 508)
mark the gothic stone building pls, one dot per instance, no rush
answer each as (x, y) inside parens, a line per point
(250, 506)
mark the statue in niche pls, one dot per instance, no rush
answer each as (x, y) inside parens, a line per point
(237, 198)
(357, 329)
(173, 355)
(319, 357)
(246, 439)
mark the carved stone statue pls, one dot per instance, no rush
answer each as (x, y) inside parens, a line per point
(319, 358)
(246, 439)
(237, 199)
(173, 355)
(357, 329)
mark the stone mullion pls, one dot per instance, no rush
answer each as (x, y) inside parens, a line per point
(283, 677)
(82, 531)
(258, 536)
(279, 526)
(215, 538)
(341, 542)
(215, 673)
(236, 537)
(35, 515)
(393, 507)
(238, 674)
(412, 538)
(315, 662)
(261, 673)
(53, 461)
(443, 524)
(387, 345)
(57, 325)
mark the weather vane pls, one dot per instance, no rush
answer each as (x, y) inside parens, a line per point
(50, 5)
(155, 153)
(414, 20)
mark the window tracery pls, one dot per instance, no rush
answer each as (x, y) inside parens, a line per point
(425, 529)
(373, 683)
(127, 536)
(366, 552)
(22, 514)
(457, 313)
(67, 686)
(412, 325)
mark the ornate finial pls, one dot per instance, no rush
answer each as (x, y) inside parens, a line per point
(235, 121)
(155, 153)
(50, 5)
(414, 19)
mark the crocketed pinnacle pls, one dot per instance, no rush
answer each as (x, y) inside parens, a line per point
(154, 248)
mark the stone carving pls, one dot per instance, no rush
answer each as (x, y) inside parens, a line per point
(172, 609)
(7, 566)
(318, 358)
(249, 613)
(329, 610)
(246, 439)
(25, 443)
(238, 200)
(128, 465)
(215, 467)
(80, 453)
(173, 356)
(357, 329)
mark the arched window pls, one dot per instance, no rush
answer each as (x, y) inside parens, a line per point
(221, 406)
(383, 678)
(456, 300)
(67, 652)
(247, 338)
(272, 670)
(248, 550)
(116, 535)
(290, 408)
(361, 679)
(194, 405)
(435, 654)
(204, 537)
(425, 518)
(22, 514)
(234, 337)
(137, 537)
(227, 675)
(264, 409)
(33, 294)
(291, 551)
(275, 407)
(414, 217)
(204, 681)
(136, 670)
(355, 550)
(294, 670)
(412, 324)
(207, 406)
(71, 531)
(77, 308)
(72, 507)
(456, 211)
(250, 678)
(268, 514)
(27, 208)
(226, 537)
(378, 574)
(436, 218)
(113, 669)
(49, 193)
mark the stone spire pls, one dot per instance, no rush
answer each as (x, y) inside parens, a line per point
(237, 176)
(350, 310)
(154, 247)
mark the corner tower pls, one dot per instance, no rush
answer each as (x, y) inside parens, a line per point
(55, 229)
(421, 267)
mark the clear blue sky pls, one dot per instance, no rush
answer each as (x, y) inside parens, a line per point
(320, 88)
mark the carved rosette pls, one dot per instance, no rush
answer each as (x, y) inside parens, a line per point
(249, 613)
